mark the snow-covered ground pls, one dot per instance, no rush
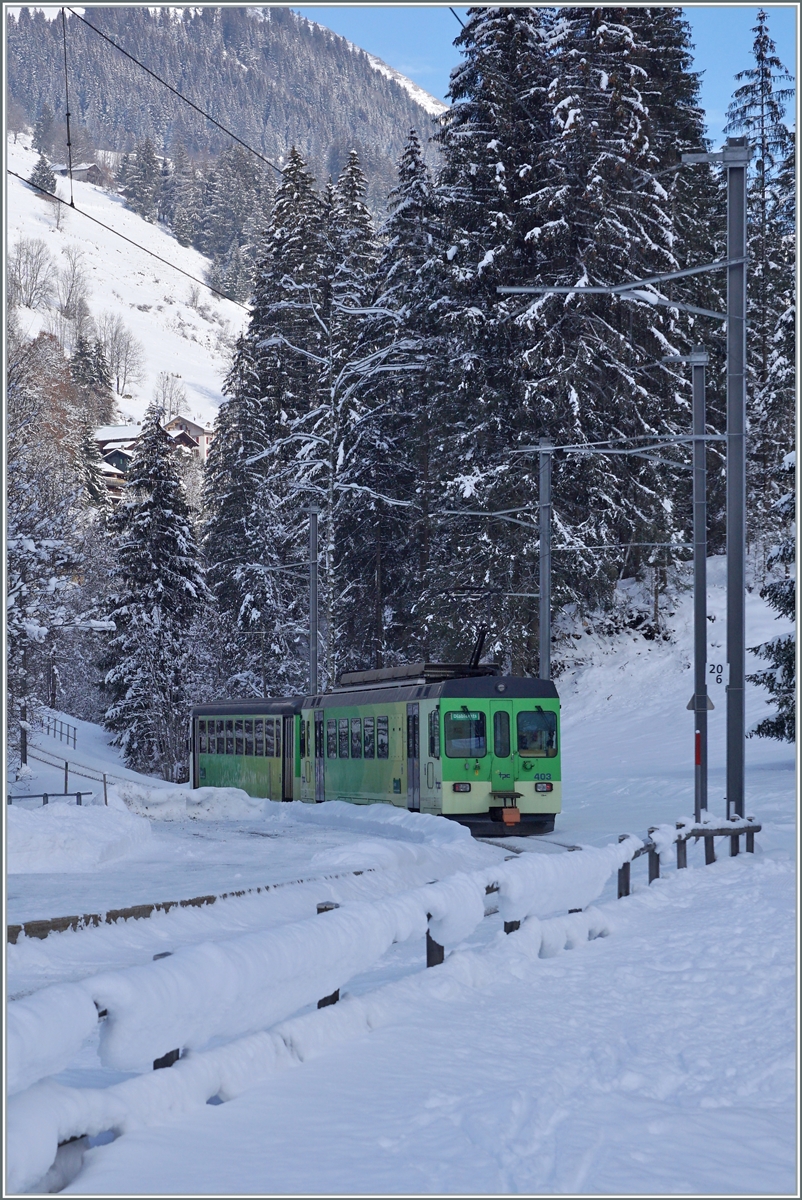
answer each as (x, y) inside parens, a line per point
(658, 1059)
(190, 338)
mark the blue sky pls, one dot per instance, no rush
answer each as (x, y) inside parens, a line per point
(417, 40)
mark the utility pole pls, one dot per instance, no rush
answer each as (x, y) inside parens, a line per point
(735, 157)
(313, 516)
(699, 703)
(544, 621)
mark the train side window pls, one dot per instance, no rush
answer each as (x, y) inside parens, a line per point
(466, 734)
(269, 738)
(382, 737)
(259, 737)
(331, 739)
(278, 738)
(201, 737)
(537, 734)
(249, 739)
(303, 739)
(501, 734)
(434, 733)
(229, 737)
(308, 740)
(238, 736)
(343, 737)
(370, 738)
(221, 738)
(356, 737)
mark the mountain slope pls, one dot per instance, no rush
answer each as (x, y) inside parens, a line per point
(274, 78)
(182, 335)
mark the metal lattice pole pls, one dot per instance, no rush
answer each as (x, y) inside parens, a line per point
(544, 666)
(698, 360)
(313, 618)
(736, 158)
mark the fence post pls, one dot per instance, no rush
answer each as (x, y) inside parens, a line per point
(78, 799)
(44, 799)
(66, 777)
(105, 793)
(328, 906)
(710, 849)
(623, 873)
(435, 953)
(750, 840)
(654, 861)
(682, 851)
(9, 797)
(734, 845)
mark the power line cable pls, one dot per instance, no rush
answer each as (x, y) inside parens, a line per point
(176, 92)
(67, 94)
(131, 242)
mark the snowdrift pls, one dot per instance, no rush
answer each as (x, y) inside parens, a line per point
(60, 836)
(247, 983)
(199, 804)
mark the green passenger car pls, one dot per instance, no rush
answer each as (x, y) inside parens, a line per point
(445, 739)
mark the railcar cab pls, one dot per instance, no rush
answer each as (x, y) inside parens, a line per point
(448, 739)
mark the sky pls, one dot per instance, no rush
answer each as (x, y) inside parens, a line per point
(418, 41)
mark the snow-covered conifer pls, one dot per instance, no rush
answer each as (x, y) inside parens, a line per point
(160, 587)
(43, 176)
(758, 109)
(780, 652)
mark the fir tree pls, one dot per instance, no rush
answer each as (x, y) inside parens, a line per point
(780, 652)
(91, 462)
(758, 110)
(399, 437)
(160, 588)
(246, 545)
(44, 131)
(141, 180)
(42, 175)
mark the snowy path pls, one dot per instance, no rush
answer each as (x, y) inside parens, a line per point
(657, 1060)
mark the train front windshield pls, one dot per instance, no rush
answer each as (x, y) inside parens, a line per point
(537, 734)
(466, 736)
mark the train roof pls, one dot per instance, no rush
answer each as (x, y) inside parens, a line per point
(496, 687)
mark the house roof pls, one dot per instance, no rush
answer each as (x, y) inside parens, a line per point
(117, 433)
(186, 423)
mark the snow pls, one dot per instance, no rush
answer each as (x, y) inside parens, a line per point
(641, 1046)
(60, 836)
(189, 340)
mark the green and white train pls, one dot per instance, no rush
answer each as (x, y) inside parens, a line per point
(460, 742)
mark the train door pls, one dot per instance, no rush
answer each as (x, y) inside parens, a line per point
(288, 758)
(413, 757)
(320, 761)
(501, 761)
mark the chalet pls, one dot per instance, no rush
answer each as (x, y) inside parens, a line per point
(83, 172)
(200, 434)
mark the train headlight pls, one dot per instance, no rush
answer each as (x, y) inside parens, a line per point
(544, 787)
(461, 787)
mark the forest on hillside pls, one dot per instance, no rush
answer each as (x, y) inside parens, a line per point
(274, 78)
(385, 380)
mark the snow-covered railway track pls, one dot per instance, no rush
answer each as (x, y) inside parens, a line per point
(42, 929)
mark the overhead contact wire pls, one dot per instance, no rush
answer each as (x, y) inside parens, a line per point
(131, 242)
(176, 92)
